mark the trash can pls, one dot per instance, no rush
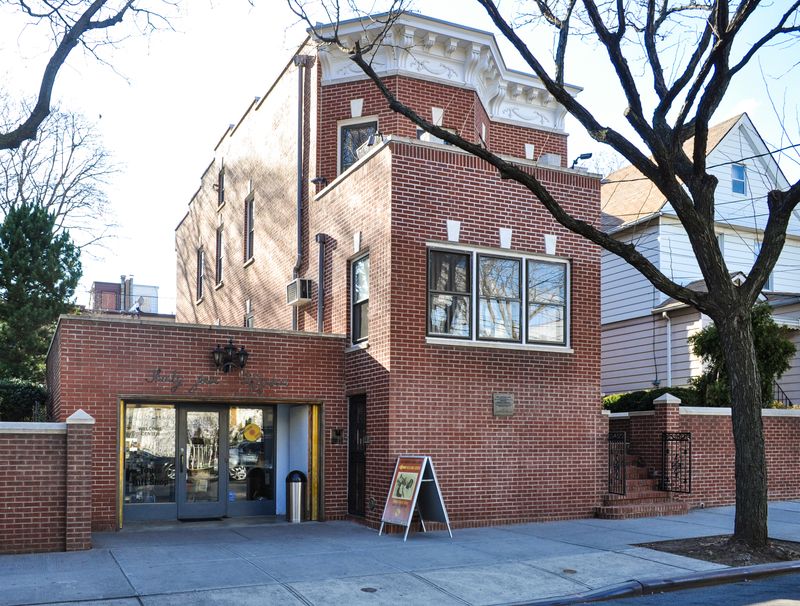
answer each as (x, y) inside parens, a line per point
(295, 496)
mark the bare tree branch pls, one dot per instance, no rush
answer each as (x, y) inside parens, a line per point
(71, 23)
(65, 170)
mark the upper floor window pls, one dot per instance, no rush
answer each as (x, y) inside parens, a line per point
(351, 137)
(249, 316)
(769, 285)
(500, 299)
(449, 294)
(221, 186)
(520, 299)
(249, 226)
(201, 271)
(738, 178)
(547, 302)
(218, 262)
(360, 299)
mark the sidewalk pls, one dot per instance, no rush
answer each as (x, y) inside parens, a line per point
(267, 562)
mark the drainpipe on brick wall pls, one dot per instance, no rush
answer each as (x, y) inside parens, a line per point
(302, 62)
(322, 239)
(666, 317)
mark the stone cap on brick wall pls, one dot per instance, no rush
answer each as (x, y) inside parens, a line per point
(80, 417)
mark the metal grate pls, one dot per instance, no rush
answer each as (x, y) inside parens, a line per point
(676, 462)
(617, 449)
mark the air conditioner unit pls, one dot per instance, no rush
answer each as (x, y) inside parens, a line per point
(298, 292)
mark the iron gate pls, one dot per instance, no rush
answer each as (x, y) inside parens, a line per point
(676, 462)
(616, 462)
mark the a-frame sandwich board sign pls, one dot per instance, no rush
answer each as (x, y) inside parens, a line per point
(414, 487)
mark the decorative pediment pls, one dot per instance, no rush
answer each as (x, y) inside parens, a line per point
(430, 49)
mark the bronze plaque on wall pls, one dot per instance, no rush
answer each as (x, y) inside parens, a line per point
(503, 404)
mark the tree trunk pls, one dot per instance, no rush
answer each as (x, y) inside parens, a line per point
(736, 335)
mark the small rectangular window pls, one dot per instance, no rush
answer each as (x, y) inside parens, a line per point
(360, 315)
(249, 227)
(499, 298)
(351, 137)
(218, 264)
(201, 270)
(769, 285)
(547, 302)
(738, 178)
(221, 187)
(449, 294)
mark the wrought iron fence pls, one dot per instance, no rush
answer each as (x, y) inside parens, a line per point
(617, 449)
(676, 462)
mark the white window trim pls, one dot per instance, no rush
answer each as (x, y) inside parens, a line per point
(362, 342)
(743, 179)
(474, 341)
(350, 122)
(200, 284)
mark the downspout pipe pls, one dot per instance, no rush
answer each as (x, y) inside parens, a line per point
(668, 327)
(302, 62)
(322, 240)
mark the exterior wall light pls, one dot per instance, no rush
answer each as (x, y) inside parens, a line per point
(229, 357)
(585, 156)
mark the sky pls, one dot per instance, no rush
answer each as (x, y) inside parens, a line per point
(170, 95)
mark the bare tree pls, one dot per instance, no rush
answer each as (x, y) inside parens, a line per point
(91, 24)
(65, 170)
(687, 87)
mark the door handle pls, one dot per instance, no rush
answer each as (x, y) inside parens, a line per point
(181, 460)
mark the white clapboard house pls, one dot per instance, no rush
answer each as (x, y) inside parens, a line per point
(644, 333)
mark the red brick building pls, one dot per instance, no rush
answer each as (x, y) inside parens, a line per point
(431, 308)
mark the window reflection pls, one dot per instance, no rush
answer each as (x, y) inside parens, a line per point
(250, 447)
(149, 454)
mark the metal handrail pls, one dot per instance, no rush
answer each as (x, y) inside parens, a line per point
(779, 395)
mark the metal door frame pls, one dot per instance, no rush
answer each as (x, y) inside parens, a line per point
(210, 509)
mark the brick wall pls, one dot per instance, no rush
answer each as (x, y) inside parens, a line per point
(463, 113)
(103, 361)
(713, 481)
(45, 480)
(260, 157)
(543, 462)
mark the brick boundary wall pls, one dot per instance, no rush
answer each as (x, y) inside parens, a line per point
(45, 485)
(713, 482)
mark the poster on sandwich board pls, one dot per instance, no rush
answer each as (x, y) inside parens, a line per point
(414, 487)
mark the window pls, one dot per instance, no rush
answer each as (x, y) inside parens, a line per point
(360, 311)
(201, 271)
(218, 265)
(351, 137)
(449, 294)
(547, 302)
(519, 299)
(221, 187)
(249, 226)
(769, 285)
(500, 302)
(738, 178)
(249, 316)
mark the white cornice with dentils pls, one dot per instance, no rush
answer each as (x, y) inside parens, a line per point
(430, 49)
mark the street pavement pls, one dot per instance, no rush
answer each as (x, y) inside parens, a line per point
(266, 561)
(783, 590)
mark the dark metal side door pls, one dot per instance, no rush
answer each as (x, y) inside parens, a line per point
(357, 456)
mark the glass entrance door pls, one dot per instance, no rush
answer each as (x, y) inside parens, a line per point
(201, 471)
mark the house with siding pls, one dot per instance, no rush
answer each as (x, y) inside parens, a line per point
(644, 333)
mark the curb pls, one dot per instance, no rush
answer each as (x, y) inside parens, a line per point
(635, 588)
